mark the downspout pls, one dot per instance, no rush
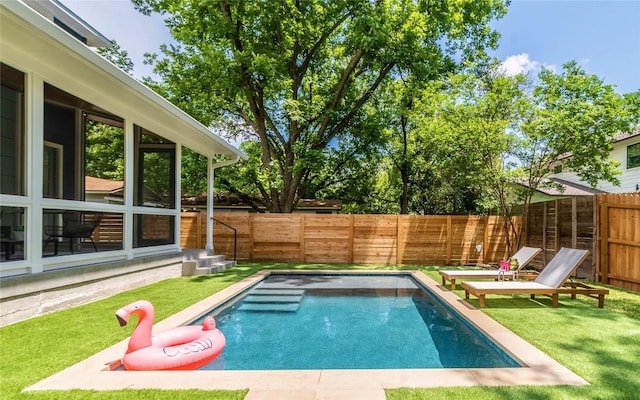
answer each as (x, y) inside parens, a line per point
(211, 167)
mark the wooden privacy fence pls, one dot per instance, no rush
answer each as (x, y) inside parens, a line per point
(619, 244)
(359, 239)
(563, 223)
(608, 225)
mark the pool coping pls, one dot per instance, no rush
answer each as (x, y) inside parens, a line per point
(537, 367)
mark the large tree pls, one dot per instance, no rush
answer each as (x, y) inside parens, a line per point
(299, 72)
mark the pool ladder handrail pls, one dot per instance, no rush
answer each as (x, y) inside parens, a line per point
(235, 236)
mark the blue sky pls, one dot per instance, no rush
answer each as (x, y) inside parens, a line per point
(602, 36)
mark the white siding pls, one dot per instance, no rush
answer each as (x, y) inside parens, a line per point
(629, 178)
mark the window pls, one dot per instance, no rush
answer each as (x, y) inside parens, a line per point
(153, 230)
(12, 149)
(12, 233)
(154, 187)
(67, 232)
(633, 155)
(91, 167)
(155, 165)
(52, 170)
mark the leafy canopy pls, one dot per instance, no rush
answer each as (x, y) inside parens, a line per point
(299, 73)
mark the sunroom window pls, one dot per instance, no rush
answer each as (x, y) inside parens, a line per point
(83, 150)
(12, 148)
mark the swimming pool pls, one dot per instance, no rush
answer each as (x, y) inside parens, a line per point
(100, 371)
(341, 321)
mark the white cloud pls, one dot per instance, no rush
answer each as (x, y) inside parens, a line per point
(518, 64)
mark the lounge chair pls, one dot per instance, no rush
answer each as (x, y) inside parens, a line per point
(551, 281)
(524, 257)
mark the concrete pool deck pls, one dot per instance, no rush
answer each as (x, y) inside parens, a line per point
(537, 368)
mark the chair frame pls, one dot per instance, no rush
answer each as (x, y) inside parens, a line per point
(537, 287)
(453, 275)
(72, 228)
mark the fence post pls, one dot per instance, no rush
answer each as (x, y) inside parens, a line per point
(485, 238)
(574, 222)
(199, 231)
(398, 255)
(301, 255)
(596, 239)
(449, 244)
(250, 220)
(351, 223)
(604, 238)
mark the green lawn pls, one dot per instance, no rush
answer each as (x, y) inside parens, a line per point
(601, 345)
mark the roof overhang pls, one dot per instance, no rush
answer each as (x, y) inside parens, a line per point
(54, 10)
(33, 44)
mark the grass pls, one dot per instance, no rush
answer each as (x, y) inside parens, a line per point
(601, 345)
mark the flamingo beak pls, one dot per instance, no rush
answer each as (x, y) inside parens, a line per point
(122, 316)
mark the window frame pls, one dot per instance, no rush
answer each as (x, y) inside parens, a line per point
(635, 157)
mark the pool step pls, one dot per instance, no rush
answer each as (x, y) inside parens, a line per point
(278, 292)
(287, 300)
(272, 299)
(270, 307)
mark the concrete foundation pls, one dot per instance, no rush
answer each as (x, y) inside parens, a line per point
(28, 296)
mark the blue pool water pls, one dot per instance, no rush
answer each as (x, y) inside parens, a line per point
(347, 322)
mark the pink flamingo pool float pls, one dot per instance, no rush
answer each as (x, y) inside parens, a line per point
(184, 347)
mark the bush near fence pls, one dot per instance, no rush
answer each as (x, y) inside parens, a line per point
(360, 239)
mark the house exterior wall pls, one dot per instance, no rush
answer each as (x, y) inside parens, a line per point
(46, 55)
(629, 177)
(28, 296)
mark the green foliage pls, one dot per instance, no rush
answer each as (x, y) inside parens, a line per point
(575, 115)
(194, 172)
(496, 140)
(104, 154)
(118, 56)
(300, 73)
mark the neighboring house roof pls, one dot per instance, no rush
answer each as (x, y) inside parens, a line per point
(627, 135)
(560, 187)
(113, 189)
(99, 185)
(222, 200)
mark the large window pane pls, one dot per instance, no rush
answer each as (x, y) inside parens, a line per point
(11, 131)
(72, 232)
(12, 233)
(104, 160)
(155, 170)
(153, 230)
(83, 150)
(633, 156)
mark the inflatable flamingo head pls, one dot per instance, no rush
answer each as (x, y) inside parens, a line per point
(209, 324)
(142, 308)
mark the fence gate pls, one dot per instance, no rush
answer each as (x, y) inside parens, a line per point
(619, 231)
